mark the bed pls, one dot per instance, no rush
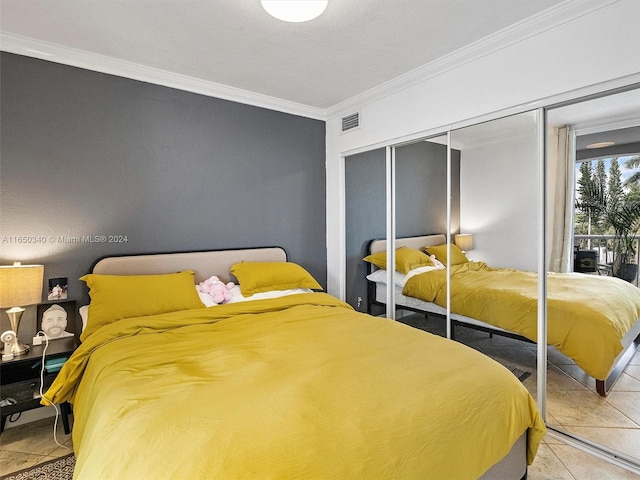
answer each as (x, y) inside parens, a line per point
(284, 381)
(591, 319)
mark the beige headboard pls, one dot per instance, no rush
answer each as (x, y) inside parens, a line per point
(204, 264)
(414, 242)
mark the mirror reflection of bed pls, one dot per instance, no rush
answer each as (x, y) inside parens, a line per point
(593, 320)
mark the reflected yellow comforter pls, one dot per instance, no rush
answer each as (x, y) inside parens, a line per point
(587, 315)
(297, 387)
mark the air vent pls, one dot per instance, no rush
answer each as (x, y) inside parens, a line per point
(350, 122)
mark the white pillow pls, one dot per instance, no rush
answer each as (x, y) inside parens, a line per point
(416, 271)
(206, 299)
(84, 314)
(238, 297)
(399, 279)
(380, 276)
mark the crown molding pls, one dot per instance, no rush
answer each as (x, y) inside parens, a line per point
(548, 19)
(551, 18)
(51, 52)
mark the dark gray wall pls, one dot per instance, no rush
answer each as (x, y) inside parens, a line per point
(85, 153)
(421, 202)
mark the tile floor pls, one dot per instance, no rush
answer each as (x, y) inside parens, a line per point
(32, 443)
(572, 403)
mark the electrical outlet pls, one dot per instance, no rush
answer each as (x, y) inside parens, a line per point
(359, 301)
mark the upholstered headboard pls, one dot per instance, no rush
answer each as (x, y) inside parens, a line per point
(203, 263)
(418, 242)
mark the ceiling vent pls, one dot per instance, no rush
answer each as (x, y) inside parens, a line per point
(351, 122)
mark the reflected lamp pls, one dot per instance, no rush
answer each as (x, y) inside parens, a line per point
(464, 241)
(19, 285)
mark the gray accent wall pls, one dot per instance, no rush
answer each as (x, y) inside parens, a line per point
(86, 155)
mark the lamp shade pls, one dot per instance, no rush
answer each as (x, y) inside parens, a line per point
(20, 285)
(464, 241)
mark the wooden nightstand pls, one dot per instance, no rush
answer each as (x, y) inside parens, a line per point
(20, 379)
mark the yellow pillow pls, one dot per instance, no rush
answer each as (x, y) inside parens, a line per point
(114, 297)
(407, 259)
(256, 277)
(440, 251)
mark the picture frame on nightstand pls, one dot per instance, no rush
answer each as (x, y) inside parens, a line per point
(58, 288)
(57, 319)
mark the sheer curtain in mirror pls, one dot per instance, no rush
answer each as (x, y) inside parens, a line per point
(499, 207)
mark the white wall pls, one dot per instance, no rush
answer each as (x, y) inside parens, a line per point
(592, 52)
(499, 196)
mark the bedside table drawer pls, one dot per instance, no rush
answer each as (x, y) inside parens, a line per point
(20, 378)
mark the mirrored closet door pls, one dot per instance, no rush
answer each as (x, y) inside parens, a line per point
(365, 220)
(507, 193)
(593, 168)
(422, 211)
(498, 228)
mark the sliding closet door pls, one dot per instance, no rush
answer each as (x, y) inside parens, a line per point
(366, 220)
(595, 141)
(499, 181)
(510, 203)
(420, 172)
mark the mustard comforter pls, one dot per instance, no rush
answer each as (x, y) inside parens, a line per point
(587, 316)
(297, 387)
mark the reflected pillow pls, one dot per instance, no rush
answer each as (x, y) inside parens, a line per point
(256, 277)
(440, 251)
(380, 276)
(399, 280)
(407, 259)
(114, 297)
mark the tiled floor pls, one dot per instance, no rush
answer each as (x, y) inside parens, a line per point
(572, 403)
(31, 443)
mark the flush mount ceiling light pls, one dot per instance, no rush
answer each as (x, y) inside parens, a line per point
(601, 144)
(295, 10)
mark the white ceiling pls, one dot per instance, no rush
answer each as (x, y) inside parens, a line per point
(355, 46)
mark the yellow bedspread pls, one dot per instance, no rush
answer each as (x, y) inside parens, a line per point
(297, 387)
(587, 316)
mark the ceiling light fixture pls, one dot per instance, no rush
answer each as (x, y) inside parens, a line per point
(601, 144)
(295, 10)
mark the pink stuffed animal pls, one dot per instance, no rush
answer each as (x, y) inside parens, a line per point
(435, 261)
(216, 289)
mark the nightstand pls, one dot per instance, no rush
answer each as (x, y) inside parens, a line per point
(20, 379)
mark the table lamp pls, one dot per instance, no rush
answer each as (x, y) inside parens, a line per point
(19, 285)
(464, 241)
